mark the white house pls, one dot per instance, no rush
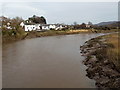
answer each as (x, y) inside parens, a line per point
(45, 27)
(30, 27)
(52, 26)
(22, 24)
(41, 27)
(88, 26)
(59, 27)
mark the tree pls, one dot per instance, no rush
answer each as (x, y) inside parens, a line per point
(12, 26)
(15, 22)
(34, 16)
(74, 23)
(36, 20)
(4, 20)
(83, 25)
(90, 23)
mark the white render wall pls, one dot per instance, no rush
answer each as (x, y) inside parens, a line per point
(52, 26)
(43, 27)
(30, 27)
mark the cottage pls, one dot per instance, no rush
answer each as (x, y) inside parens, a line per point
(41, 27)
(22, 24)
(30, 27)
(88, 26)
(45, 27)
(52, 26)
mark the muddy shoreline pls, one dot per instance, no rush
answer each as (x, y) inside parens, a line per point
(99, 67)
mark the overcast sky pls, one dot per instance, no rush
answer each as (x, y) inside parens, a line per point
(64, 12)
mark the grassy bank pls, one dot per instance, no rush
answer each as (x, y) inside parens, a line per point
(33, 34)
(103, 60)
(113, 53)
(12, 36)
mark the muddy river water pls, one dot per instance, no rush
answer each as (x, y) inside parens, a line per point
(47, 62)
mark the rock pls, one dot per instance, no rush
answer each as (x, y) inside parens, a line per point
(102, 40)
(116, 84)
(106, 62)
(99, 69)
(97, 45)
(103, 80)
(97, 76)
(92, 60)
(110, 72)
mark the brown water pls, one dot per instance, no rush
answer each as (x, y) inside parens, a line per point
(47, 62)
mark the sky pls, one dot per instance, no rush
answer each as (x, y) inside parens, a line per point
(63, 12)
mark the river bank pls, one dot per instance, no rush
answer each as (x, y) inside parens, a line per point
(35, 34)
(102, 59)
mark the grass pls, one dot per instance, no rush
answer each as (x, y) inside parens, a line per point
(113, 53)
(8, 37)
(21, 34)
(110, 49)
(33, 34)
(64, 32)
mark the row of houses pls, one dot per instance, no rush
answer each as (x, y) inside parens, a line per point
(41, 27)
(44, 27)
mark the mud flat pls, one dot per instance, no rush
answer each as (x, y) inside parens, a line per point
(100, 68)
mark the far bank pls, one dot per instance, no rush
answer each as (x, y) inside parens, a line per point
(21, 35)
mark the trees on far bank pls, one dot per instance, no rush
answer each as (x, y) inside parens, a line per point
(36, 20)
(11, 27)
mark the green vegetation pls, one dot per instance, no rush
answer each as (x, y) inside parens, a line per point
(11, 29)
(19, 34)
(12, 35)
(34, 34)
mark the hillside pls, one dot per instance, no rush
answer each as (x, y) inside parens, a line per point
(110, 24)
(106, 23)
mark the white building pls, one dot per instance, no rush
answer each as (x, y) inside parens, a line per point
(22, 24)
(41, 27)
(30, 27)
(88, 26)
(52, 26)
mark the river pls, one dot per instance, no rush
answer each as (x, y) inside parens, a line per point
(46, 62)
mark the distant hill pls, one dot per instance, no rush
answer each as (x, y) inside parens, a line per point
(109, 24)
(106, 23)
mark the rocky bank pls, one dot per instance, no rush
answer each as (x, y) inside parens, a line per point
(100, 68)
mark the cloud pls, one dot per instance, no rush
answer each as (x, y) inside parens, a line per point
(21, 9)
(59, 0)
(63, 12)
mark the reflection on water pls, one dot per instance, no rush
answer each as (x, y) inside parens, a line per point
(48, 62)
